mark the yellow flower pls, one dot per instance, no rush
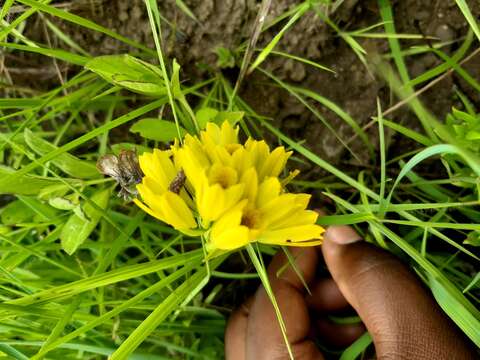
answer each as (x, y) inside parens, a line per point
(235, 190)
(158, 200)
(272, 218)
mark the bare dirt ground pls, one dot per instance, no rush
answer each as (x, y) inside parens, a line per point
(228, 23)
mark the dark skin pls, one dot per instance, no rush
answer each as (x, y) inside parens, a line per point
(398, 311)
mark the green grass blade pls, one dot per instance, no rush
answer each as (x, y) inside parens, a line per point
(78, 20)
(174, 300)
(271, 45)
(462, 4)
(357, 348)
(456, 310)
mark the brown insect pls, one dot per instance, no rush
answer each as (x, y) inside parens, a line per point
(125, 169)
(178, 182)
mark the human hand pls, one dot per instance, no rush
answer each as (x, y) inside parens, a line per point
(401, 316)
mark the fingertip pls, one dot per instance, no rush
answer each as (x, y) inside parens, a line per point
(341, 235)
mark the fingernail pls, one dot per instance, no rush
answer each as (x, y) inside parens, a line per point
(342, 235)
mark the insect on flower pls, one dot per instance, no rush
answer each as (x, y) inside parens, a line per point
(125, 169)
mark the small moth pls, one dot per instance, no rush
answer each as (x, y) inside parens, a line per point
(178, 182)
(125, 169)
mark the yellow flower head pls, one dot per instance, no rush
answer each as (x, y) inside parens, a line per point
(229, 191)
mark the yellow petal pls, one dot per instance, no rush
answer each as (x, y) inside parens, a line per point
(274, 163)
(250, 180)
(158, 166)
(176, 212)
(229, 134)
(210, 201)
(268, 190)
(258, 151)
(227, 233)
(192, 166)
(292, 234)
(230, 239)
(241, 160)
(279, 208)
(299, 217)
(214, 201)
(148, 210)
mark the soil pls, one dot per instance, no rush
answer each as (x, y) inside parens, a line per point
(228, 23)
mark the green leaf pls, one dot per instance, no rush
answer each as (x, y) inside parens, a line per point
(68, 163)
(61, 203)
(204, 115)
(472, 135)
(232, 117)
(76, 229)
(16, 212)
(451, 301)
(156, 129)
(130, 73)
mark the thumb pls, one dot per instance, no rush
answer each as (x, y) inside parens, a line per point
(399, 313)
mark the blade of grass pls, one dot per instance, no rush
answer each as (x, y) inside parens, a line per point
(174, 300)
(271, 45)
(262, 273)
(78, 20)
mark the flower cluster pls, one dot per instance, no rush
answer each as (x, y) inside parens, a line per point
(231, 192)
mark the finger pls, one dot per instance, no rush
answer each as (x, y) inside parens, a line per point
(337, 335)
(399, 313)
(280, 270)
(326, 297)
(236, 332)
(264, 337)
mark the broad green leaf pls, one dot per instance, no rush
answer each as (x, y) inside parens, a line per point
(204, 115)
(16, 212)
(157, 129)
(68, 163)
(77, 230)
(130, 73)
(61, 203)
(233, 117)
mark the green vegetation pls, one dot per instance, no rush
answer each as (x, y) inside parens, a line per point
(85, 274)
